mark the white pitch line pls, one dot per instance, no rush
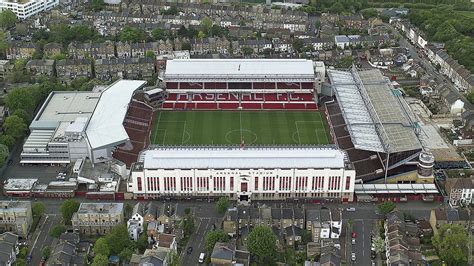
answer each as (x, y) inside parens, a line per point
(184, 130)
(298, 132)
(157, 127)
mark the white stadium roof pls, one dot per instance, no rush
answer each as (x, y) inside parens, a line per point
(105, 127)
(377, 117)
(248, 158)
(239, 69)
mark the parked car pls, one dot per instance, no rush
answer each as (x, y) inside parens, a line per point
(351, 209)
(201, 257)
(189, 250)
(353, 241)
(353, 256)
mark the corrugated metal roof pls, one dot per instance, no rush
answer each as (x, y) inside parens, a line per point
(248, 158)
(395, 189)
(106, 124)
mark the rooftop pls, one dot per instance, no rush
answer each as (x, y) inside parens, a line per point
(188, 69)
(11, 205)
(377, 117)
(100, 208)
(218, 158)
(105, 127)
(64, 107)
(19, 184)
(395, 189)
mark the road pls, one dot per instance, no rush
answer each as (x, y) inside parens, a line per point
(41, 237)
(196, 241)
(428, 66)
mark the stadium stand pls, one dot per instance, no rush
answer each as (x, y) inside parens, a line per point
(137, 123)
(254, 101)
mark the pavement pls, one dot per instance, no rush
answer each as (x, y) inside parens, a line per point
(41, 238)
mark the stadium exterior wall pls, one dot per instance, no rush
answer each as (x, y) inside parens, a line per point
(264, 183)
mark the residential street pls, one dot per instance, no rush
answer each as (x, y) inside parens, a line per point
(41, 238)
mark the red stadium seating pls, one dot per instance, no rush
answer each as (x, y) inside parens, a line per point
(246, 105)
(209, 106)
(232, 106)
(212, 101)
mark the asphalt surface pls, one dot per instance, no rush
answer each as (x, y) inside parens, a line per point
(41, 238)
(196, 241)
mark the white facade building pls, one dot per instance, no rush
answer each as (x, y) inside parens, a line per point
(244, 174)
(75, 125)
(135, 226)
(25, 9)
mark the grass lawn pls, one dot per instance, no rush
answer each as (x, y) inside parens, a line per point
(469, 14)
(229, 127)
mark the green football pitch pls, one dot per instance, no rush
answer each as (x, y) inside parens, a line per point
(229, 127)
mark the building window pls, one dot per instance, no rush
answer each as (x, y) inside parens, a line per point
(139, 183)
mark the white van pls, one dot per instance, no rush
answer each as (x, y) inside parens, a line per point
(201, 257)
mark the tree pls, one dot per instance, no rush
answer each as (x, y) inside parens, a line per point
(23, 252)
(100, 260)
(186, 46)
(3, 154)
(450, 242)
(379, 244)
(57, 230)
(37, 209)
(67, 209)
(159, 34)
(24, 115)
(222, 205)
(187, 211)
(3, 42)
(14, 126)
(306, 237)
(142, 242)
(126, 254)
(212, 237)
(20, 262)
(187, 223)
(118, 239)
(45, 252)
(101, 247)
(8, 19)
(247, 50)
(298, 44)
(206, 25)
(201, 35)
(150, 54)
(345, 62)
(21, 98)
(97, 5)
(131, 34)
(261, 242)
(386, 207)
(470, 97)
(127, 210)
(369, 13)
(336, 8)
